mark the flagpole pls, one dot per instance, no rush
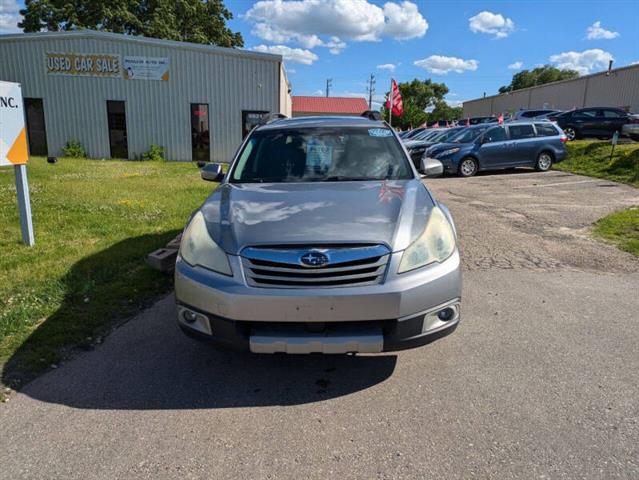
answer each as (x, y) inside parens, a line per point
(390, 103)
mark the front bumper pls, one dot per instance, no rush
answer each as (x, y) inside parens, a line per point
(399, 309)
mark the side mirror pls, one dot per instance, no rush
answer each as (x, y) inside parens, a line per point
(212, 172)
(431, 167)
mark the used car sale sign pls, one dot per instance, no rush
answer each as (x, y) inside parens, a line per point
(13, 135)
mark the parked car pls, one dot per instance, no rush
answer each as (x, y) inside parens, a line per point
(534, 114)
(632, 129)
(413, 132)
(482, 120)
(320, 238)
(416, 148)
(601, 122)
(517, 144)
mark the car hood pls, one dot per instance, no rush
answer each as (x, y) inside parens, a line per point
(393, 213)
(440, 147)
(418, 144)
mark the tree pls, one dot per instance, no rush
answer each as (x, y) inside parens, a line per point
(443, 111)
(417, 96)
(538, 76)
(197, 21)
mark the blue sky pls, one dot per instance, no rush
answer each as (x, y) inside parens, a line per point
(472, 46)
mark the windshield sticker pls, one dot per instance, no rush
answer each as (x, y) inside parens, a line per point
(380, 132)
(319, 156)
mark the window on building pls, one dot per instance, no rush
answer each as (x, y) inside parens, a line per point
(36, 130)
(518, 132)
(200, 139)
(116, 116)
(251, 119)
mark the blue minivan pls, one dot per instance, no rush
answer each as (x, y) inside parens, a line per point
(515, 144)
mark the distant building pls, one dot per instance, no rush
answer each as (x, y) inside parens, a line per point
(311, 106)
(118, 94)
(617, 88)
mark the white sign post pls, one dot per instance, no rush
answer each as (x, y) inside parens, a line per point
(14, 151)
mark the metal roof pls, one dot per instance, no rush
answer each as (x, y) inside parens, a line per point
(156, 42)
(337, 105)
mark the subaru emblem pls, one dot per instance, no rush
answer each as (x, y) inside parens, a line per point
(314, 259)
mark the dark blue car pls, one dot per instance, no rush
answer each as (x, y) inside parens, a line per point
(487, 147)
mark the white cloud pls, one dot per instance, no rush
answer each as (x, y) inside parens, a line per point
(293, 55)
(491, 23)
(454, 103)
(318, 92)
(328, 23)
(583, 62)
(440, 65)
(516, 65)
(387, 66)
(9, 16)
(290, 70)
(597, 32)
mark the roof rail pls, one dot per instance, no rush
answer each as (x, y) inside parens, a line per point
(371, 115)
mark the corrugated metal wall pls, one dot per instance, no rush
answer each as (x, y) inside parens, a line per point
(619, 89)
(156, 111)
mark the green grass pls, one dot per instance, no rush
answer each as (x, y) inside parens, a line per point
(592, 158)
(620, 228)
(95, 222)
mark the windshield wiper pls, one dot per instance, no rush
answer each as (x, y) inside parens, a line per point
(341, 178)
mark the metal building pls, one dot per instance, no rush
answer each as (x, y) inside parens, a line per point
(118, 94)
(617, 88)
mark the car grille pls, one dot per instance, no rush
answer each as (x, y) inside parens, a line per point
(281, 267)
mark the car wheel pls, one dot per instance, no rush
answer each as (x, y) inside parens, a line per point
(570, 133)
(544, 162)
(468, 167)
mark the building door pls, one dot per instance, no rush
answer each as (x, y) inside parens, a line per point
(250, 119)
(36, 130)
(200, 140)
(116, 116)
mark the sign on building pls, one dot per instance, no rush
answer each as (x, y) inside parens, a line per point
(14, 151)
(83, 64)
(146, 68)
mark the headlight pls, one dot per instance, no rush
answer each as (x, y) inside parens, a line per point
(450, 151)
(198, 248)
(435, 244)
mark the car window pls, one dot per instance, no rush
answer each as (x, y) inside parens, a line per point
(612, 114)
(495, 134)
(529, 114)
(321, 154)
(586, 113)
(517, 132)
(468, 135)
(546, 130)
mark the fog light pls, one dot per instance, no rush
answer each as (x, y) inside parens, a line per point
(189, 316)
(446, 314)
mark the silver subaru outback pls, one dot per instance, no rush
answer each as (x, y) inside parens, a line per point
(321, 238)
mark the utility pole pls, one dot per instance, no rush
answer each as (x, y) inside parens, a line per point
(371, 91)
(329, 84)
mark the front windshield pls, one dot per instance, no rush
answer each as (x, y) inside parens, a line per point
(321, 155)
(447, 135)
(468, 135)
(425, 135)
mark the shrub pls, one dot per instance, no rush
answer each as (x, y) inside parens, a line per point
(74, 149)
(154, 154)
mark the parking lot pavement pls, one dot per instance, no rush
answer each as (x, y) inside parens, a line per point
(540, 380)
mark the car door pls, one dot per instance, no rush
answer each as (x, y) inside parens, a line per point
(612, 121)
(493, 152)
(523, 144)
(586, 122)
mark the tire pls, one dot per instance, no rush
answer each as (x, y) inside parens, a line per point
(571, 133)
(544, 161)
(467, 167)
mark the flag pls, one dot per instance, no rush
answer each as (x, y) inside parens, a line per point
(500, 119)
(396, 99)
(468, 122)
(436, 124)
(447, 124)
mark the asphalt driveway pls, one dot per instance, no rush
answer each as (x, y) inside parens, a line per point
(540, 381)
